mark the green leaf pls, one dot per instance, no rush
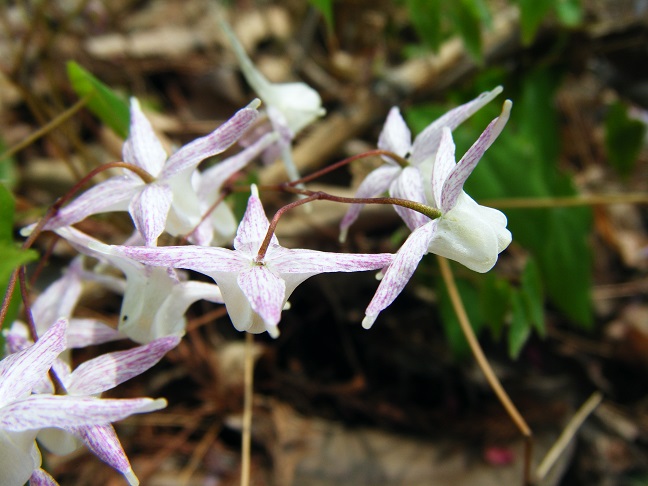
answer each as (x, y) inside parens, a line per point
(107, 105)
(623, 138)
(570, 12)
(7, 207)
(520, 330)
(426, 19)
(495, 301)
(8, 171)
(326, 9)
(466, 17)
(470, 297)
(532, 13)
(533, 296)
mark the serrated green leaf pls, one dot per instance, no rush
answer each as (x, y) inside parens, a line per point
(107, 105)
(533, 296)
(326, 9)
(532, 13)
(623, 138)
(425, 16)
(520, 329)
(466, 18)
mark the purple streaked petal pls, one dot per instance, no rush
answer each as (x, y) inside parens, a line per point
(453, 185)
(88, 332)
(192, 154)
(375, 184)
(253, 227)
(427, 142)
(400, 271)
(395, 136)
(42, 478)
(443, 165)
(40, 411)
(149, 210)
(111, 195)
(202, 259)
(409, 185)
(109, 370)
(104, 443)
(288, 261)
(143, 148)
(21, 371)
(264, 291)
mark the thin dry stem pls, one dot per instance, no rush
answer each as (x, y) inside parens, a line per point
(248, 383)
(484, 365)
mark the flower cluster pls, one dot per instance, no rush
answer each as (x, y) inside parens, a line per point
(42, 398)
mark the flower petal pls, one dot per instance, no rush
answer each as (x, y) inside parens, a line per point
(40, 411)
(41, 478)
(253, 227)
(375, 184)
(409, 185)
(111, 195)
(109, 370)
(149, 210)
(284, 261)
(143, 148)
(441, 168)
(21, 371)
(400, 271)
(427, 142)
(104, 443)
(192, 154)
(395, 136)
(88, 332)
(19, 458)
(265, 292)
(453, 185)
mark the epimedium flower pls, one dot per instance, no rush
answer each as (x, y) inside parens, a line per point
(290, 106)
(23, 414)
(466, 232)
(397, 138)
(155, 298)
(255, 289)
(168, 202)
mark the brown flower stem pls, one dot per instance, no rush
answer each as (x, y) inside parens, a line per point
(224, 193)
(484, 365)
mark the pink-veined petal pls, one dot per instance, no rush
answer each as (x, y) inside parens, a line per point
(21, 371)
(375, 184)
(443, 165)
(288, 261)
(395, 136)
(104, 443)
(192, 154)
(409, 185)
(111, 195)
(265, 292)
(400, 271)
(202, 259)
(42, 478)
(84, 332)
(40, 411)
(143, 148)
(149, 210)
(453, 185)
(253, 227)
(427, 142)
(109, 370)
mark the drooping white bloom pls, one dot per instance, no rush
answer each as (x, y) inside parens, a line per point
(255, 290)
(170, 202)
(155, 299)
(466, 232)
(397, 138)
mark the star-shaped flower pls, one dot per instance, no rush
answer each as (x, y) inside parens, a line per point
(170, 201)
(471, 234)
(255, 290)
(155, 299)
(397, 138)
(23, 415)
